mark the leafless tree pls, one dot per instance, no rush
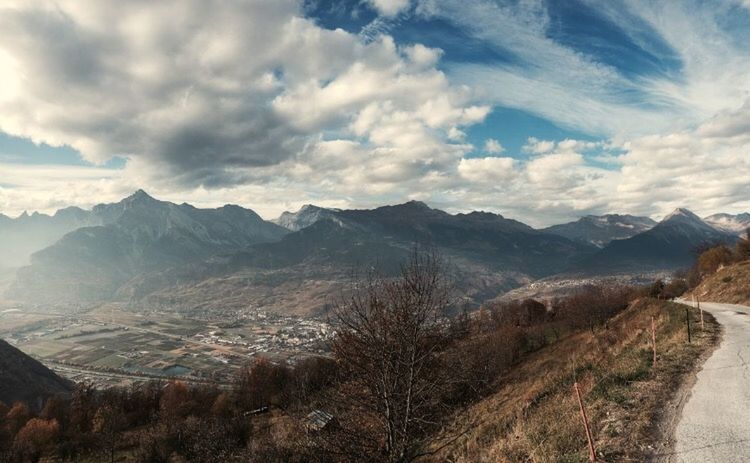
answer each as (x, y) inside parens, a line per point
(391, 336)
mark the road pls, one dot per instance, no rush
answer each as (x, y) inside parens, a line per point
(715, 422)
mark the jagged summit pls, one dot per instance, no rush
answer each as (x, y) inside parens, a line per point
(139, 196)
(307, 215)
(413, 204)
(681, 213)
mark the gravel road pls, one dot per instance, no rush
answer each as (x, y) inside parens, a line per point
(715, 422)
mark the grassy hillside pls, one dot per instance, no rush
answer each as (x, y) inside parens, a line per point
(730, 284)
(534, 415)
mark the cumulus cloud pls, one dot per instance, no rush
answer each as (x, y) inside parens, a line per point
(215, 93)
(493, 146)
(215, 102)
(487, 170)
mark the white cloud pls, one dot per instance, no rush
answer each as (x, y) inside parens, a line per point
(251, 103)
(493, 146)
(390, 7)
(486, 170)
(215, 94)
(535, 146)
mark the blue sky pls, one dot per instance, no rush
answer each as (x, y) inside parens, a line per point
(542, 110)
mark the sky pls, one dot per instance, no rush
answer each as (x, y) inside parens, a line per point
(540, 110)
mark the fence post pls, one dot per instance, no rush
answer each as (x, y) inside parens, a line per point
(592, 451)
(687, 319)
(653, 340)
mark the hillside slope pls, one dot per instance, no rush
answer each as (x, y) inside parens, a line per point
(533, 416)
(24, 379)
(730, 284)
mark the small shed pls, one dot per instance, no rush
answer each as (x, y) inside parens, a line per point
(318, 420)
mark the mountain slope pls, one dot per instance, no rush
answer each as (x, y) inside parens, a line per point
(24, 379)
(306, 216)
(138, 235)
(600, 230)
(487, 254)
(670, 244)
(730, 284)
(735, 224)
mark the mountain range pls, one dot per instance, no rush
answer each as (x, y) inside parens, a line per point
(603, 229)
(145, 251)
(670, 244)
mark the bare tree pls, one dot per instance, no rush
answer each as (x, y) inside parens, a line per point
(391, 335)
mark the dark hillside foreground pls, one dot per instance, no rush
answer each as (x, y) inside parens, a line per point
(24, 379)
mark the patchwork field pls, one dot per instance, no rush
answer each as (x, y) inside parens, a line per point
(113, 345)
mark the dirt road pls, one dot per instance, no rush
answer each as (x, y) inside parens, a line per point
(715, 421)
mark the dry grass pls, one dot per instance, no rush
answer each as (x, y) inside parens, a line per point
(534, 417)
(730, 284)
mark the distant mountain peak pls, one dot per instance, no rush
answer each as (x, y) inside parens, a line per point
(681, 212)
(416, 204)
(140, 195)
(413, 206)
(307, 215)
(310, 207)
(600, 230)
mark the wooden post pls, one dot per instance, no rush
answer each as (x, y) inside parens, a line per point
(703, 327)
(653, 340)
(592, 451)
(687, 319)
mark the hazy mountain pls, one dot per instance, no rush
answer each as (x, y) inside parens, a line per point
(26, 234)
(600, 230)
(154, 252)
(487, 255)
(735, 224)
(24, 379)
(306, 216)
(348, 235)
(138, 235)
(670, 244)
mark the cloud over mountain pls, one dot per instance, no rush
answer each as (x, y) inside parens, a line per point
(266, 104)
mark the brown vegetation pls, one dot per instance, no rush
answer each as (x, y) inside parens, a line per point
(404, 383)
(533, 415)
(722, 274)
